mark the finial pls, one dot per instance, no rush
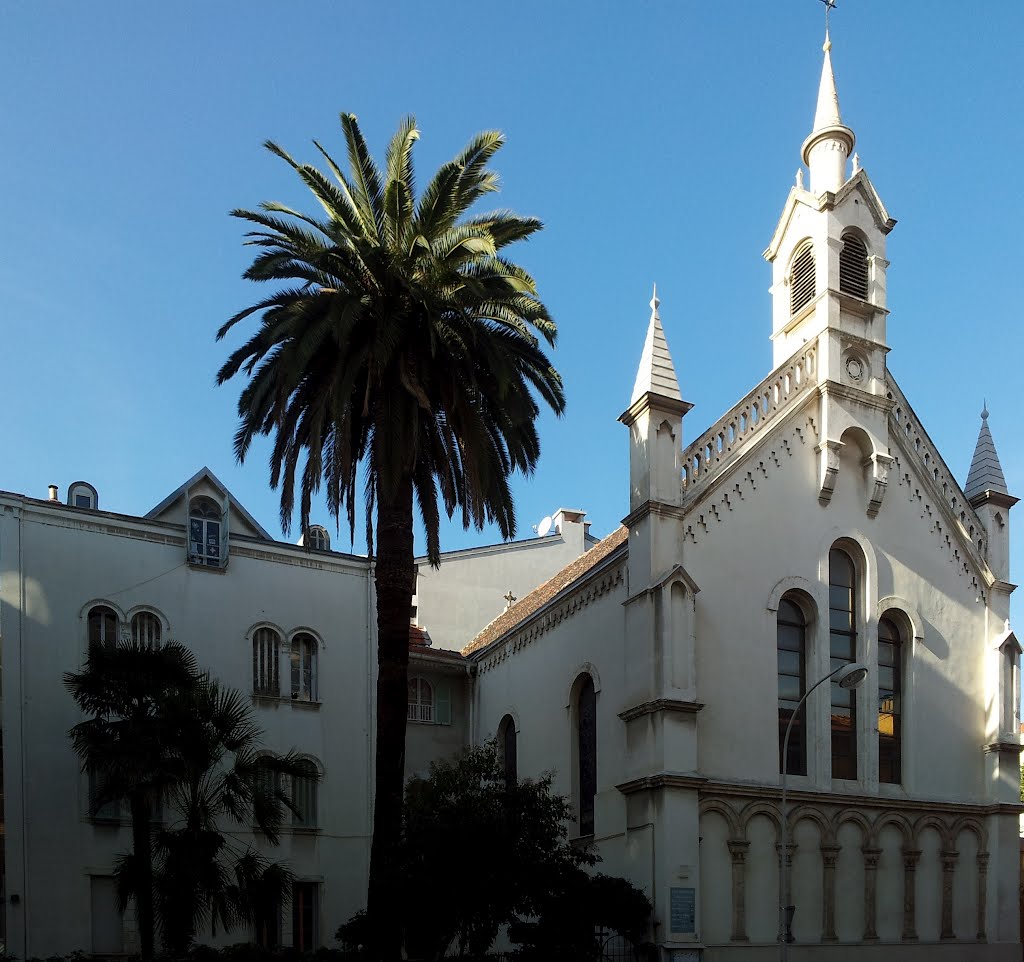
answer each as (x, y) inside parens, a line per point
(827, 45)
(856, 162)
(800, 178)
(830, 5)
(654, 300)
(984, 410)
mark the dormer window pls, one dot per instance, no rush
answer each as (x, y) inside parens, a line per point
(853, 267)
(82, 495)
(317, 538)
(204, 533)
(802, 282)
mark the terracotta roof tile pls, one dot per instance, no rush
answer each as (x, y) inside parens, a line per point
(540, 596)
(442, 653)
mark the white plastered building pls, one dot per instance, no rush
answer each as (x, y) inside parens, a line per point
(813, 524)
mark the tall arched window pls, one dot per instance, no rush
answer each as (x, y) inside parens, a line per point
(507, 749)
(802, 281)
(890, 696)
(317, 538)
(791, 635)
(204, 532)
(842, 603)
(304, 792)
(303, 665)
(103, 626)
(853, 267)
(586, 715)
(266, 653)
(421, 700)
(146, 629)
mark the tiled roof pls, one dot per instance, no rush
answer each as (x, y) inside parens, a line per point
(418, 637)
(441, 653)
(539, 597)
(986, 473)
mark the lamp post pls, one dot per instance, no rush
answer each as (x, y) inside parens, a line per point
(848, 676)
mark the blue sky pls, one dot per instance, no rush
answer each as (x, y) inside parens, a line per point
(657, 141)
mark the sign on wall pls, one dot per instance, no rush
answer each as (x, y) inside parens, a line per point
(682, 911)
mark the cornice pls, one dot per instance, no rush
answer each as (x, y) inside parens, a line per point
(674, 705)
(655, 402)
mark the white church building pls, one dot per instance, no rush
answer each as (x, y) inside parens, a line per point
(812, 526)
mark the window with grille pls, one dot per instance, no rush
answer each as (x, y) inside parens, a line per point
(303, 665)
(791, 635)
(853, 267)
(103, 627)
(204, 533)
(317, 538)
(890, 695)
(304, 791)
(421, 700)
(842, 605)
(802, 280)
(587, 749)
(266, 653)
(146, 629)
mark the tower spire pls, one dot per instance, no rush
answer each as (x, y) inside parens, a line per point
(657, 373)
(986, 472)
(831, 141)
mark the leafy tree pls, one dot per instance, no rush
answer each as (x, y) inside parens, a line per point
(203, 875)
(128, 744)
(479, 853)
(399, 343)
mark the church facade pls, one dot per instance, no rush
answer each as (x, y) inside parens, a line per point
(811, 529)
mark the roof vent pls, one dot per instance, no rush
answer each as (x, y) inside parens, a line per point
(53, 492)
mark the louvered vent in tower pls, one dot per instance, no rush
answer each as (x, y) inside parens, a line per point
(802, 278)
(853, 267)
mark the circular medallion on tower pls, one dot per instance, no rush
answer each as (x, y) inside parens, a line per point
(856, 368)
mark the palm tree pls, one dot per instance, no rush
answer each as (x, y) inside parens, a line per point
(399, 343)
(128, 744)
(203, 875)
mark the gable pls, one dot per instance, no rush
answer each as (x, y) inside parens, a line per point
(205, 482)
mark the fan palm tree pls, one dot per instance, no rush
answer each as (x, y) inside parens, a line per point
(204, 876)
(399, 343)
(128, 745)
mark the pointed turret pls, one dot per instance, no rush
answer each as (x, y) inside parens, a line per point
(830, 143)
(656, 374)
(986, 473)
(655, 421)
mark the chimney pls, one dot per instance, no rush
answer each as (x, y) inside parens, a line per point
(53, 492)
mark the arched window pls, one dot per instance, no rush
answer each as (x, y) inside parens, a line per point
(421, 700)
(303, 663)
(81, 494)
(802, 281)
(146, 629)
(304, 792)
(204, 532)
(586, 714)
(842, 603)
(791, 635)
(853, 267)
(890, 697)
(317, 538)
(507, 749)
(266, 652)
(103, 626)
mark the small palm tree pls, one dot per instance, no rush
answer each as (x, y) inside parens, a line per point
(204, 876)
(128, 745)
(400, 343)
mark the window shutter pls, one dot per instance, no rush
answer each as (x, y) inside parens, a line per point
(224, 534)
(853, 267)
(443, 704)
(802, 279)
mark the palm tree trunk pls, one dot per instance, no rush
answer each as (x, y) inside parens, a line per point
(143, 853)
(394, 576)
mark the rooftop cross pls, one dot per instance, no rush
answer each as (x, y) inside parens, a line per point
(510, 599)
(830, 5)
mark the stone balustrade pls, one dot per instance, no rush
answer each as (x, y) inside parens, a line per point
(715, 448)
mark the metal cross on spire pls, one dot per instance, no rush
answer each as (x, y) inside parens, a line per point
(830, 5)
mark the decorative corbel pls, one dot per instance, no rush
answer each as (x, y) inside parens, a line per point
(828, 468)
(880, 476)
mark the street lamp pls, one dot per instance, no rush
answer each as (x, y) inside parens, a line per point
(848, 676)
